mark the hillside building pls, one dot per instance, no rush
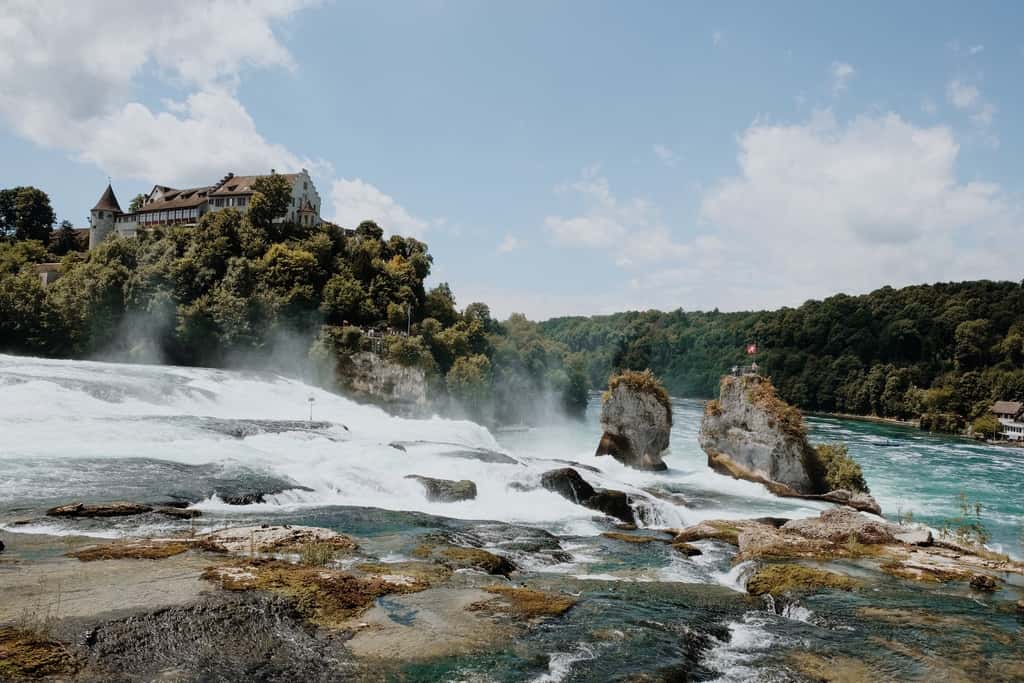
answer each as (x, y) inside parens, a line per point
(1011, 416)
(165, 206)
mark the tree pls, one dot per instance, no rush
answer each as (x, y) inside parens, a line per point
(26, 214)
(987, 426)
(469, 381)
(271, 199)
(66, 239)
(440, 305)
(972, 343)
(136, 203)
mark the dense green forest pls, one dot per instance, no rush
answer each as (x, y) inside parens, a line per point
(940, 352)
(240, 289)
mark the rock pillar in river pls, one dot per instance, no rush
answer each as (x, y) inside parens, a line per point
(636, 418)
(750, 433)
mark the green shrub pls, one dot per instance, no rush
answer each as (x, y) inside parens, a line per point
(644, 382)
(987, 426)
(408, 351)
(967, 527)
(838, 470)
(762, 394)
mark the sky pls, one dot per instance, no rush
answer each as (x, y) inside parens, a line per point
(558, 158)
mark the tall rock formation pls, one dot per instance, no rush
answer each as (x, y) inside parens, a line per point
(750, 433)
(636, 417)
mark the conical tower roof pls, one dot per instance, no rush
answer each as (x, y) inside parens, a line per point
(108, 202)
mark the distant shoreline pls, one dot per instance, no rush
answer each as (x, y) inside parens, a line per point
(916, 424)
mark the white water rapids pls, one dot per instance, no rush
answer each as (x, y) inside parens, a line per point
(56, 412)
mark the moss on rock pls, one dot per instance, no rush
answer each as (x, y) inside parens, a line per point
(533, 603)
(26, 655)
(134, 550)
(777, 579)
(323, 596)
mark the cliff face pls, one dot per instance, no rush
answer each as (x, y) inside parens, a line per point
(637, 420)
(379, 380)
(749, 433)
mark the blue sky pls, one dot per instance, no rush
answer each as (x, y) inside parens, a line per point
(558, 158)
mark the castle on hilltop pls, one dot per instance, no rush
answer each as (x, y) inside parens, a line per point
(165, 206)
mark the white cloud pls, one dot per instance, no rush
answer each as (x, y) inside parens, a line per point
(981, 112)
(69, 74)
(717, 38)
(356, 201)
(631, 229)
(510, 244)
(928, 106)
(962, 95)
(665, 154)
(822, 207)
(841, 73)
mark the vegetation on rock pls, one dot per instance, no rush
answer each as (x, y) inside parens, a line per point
(777, 579)
(533, 603)
(838, 470)
(643, 381)
(138, 550)
(28, 655)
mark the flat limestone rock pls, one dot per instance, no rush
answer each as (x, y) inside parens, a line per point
(272, 538)
(840, 525)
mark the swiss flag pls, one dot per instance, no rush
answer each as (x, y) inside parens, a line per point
(751, 349)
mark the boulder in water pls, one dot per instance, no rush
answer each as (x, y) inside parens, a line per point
(568, 483)
(446, 490)
(636, 419)
(2, 546)
(114, 509)
(750, 433)
(984, 583)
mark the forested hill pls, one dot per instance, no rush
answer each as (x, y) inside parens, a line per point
(946, 350)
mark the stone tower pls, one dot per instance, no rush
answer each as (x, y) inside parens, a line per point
(102, 216)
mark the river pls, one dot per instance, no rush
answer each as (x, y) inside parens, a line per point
(73, 430)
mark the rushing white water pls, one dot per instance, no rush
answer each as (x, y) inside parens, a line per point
(59, 420)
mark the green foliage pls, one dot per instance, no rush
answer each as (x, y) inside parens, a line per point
(967, 527)
(838, 470)
(65, 240)
(271, 199)
(409, 351)
(26, 214)
(14, 256)
(901, 353)
(136, 203)
(986, 426)
(469, 381)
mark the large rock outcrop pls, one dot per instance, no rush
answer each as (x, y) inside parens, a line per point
(750, 433)
(636, 419)
(373, 377)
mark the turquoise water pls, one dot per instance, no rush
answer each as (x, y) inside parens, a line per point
(907, 470)
(910, 471)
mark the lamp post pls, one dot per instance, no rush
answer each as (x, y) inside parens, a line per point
(311, 401)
